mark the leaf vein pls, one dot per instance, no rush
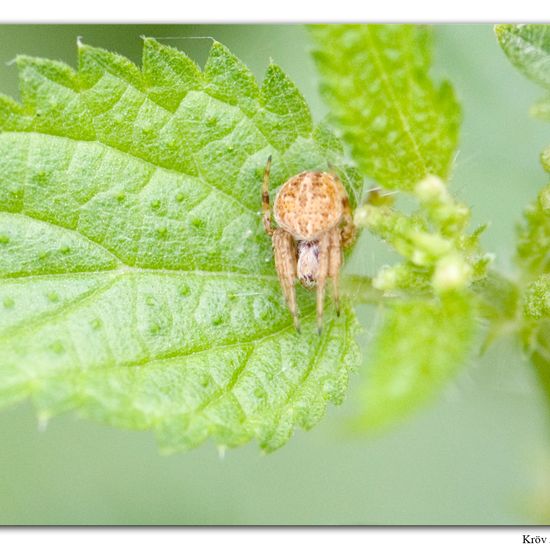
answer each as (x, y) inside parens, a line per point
(392, 96)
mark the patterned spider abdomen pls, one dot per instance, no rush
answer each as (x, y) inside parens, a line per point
(308, 205)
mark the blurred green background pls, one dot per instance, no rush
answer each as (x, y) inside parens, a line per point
(478, 455)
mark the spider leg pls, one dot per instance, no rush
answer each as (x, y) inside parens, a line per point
(265, 199)
(324, 245)
(334, 264)
(348, 230)
(284, 250)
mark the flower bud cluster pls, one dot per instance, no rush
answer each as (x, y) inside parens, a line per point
(438, 253)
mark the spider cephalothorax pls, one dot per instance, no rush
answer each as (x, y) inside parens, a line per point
(314, 221)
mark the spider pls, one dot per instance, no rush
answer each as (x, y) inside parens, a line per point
(315, 223)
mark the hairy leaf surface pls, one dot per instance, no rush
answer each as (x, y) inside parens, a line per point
(536, 332)
(136, 282)
(399, 125)
(528, 48)
(539, 353)
(534, 235)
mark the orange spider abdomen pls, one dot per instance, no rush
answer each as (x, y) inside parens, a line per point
(308, 205)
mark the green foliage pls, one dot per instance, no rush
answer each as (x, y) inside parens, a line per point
(399, 125)
(537, 340)
(533, 247)
(498, 301)
(536, 302)
(423, 340)
(534, 236)
(402, 131)
(438, 254)
(419, 347)
(136, 283)
(528, 48)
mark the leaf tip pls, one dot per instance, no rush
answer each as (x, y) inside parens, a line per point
(220, 53)
(81, 45)
(150, 43)
(22, 60)
(274, 69)
(218, 48)
(151, 47)
(500, 31)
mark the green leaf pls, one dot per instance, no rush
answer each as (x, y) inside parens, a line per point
(528, 49)
(536, 300)
(534, 236)
(538, 350)
(137, 285)
(536, 329)
(399, 125)
(498, 300)
(419, 347)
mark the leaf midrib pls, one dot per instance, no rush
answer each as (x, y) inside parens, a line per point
(392, 96)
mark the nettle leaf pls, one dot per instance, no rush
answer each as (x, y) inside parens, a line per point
(538, 350)
(498, 301)
(528, 49)
(534, 236)
(136, 283)
(399, 124)
(536, 331)
(536, 301)
(420, 346)
(402, 130)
